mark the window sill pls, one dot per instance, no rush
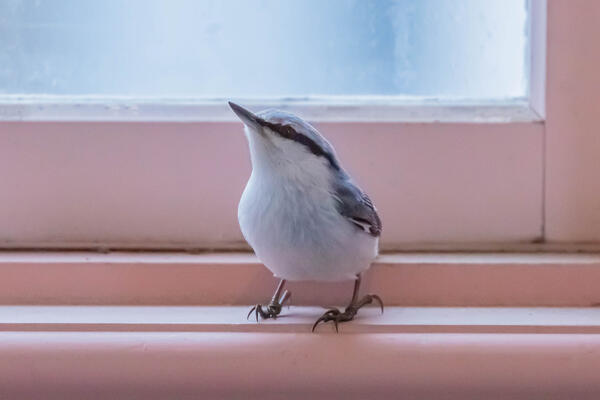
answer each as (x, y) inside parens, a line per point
(229, 319)
(213, 352)
(343, 109)
(406, 279)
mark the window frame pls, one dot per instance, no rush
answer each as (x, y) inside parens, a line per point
(461, 135)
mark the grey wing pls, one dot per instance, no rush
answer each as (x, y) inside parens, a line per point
(355, 205)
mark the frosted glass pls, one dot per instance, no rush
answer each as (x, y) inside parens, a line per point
(264, 48)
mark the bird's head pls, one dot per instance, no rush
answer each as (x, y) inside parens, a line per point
(284, 144)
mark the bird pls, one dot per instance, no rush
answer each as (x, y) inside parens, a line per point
(303, 215)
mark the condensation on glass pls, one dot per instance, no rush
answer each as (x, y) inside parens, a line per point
(266, 48)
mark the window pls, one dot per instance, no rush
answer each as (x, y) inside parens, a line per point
(71, 179)
(115, 133)
(269, 49)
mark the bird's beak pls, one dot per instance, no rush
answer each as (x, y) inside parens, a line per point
(247, 117)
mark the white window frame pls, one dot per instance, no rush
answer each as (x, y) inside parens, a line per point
(149, 175)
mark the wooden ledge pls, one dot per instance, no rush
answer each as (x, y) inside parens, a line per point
(99, 352)
(298, 320)
(417, 279)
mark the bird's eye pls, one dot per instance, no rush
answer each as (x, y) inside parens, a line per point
(289, 131)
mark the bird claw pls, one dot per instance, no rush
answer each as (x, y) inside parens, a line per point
(329, 315)
(336, 316)
(272, 310)
(376, 298)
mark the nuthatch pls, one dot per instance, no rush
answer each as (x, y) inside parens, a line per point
(302, 213)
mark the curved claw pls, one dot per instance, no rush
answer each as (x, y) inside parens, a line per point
(256, 310)
(374, 296)
(321, 319)
(324, 318)
(329, 315)
(250, 312)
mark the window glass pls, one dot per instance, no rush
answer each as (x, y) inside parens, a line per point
(173, 49)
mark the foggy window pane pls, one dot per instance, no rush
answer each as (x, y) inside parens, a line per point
(264, 48)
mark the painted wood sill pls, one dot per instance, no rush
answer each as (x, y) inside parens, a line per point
(156, 325)
(227, 319)
(149, 352)
(403, 279)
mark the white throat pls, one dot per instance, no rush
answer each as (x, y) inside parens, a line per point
(278, 160)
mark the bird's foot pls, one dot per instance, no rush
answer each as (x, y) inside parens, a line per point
(272, 310)
(348, 314)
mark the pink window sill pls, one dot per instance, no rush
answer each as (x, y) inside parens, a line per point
(213, 352)
(417, 279)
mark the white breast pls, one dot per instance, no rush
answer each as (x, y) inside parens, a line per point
(298, 234)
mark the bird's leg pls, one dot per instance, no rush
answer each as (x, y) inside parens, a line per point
(348, 314)
(273, 309)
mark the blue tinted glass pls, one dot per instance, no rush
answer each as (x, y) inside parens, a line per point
(264, 48)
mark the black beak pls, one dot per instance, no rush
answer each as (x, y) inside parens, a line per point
(248, 118)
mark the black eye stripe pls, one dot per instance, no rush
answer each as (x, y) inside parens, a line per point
(290, 133)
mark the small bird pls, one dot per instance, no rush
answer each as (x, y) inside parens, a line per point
(302, 213)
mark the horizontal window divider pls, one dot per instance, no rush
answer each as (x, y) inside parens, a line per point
(317, 109)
